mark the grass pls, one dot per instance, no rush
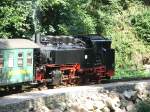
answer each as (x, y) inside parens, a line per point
(120, 74)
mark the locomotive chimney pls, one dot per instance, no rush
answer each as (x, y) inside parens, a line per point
(37, 38)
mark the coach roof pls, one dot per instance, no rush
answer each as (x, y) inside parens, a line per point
(17, 43)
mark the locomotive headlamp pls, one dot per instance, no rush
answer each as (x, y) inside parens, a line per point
(86, 56)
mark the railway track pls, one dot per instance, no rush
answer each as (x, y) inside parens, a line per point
(28, 88)
(125, 79)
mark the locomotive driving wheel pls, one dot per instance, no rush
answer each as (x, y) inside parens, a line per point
(16, 88)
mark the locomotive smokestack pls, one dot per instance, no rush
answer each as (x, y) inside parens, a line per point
(37, 38)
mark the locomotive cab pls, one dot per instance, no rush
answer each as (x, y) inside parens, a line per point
(99, 52)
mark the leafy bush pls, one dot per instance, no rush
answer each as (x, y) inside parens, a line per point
(15, 19)
(66, 17)
(141, 22)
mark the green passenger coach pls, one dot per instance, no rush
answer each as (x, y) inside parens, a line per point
(16, 61)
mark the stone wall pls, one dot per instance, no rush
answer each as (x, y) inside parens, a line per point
(114, 98)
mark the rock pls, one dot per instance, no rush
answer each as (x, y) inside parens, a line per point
(93, 97)
(31, 109)
(89, 105)
(141, 87)
(62, 106)
(133, 98)
(69, 105)
(56, 110)
(97, 110)
(129, 94)
(75, 107)
(117, 109)
(123, 103)
(142, 95)
(42, 109)
(113, 101)
(99, 105)
(72, 110)
(130, 106)
(102, 97)
(138, 100)
(103, 91)
(82, 109)
(106, 109)
(123, 110)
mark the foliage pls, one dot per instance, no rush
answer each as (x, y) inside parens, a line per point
(65, 17)
(129, 49)
(15, 19)
(141, 22)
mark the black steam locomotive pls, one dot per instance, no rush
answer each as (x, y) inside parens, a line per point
(74, 59)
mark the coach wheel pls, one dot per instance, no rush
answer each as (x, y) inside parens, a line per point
(50, 86)
(17, 88)
(6, 88)
(11, 88)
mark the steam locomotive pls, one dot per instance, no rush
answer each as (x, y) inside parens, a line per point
(55, 60)
(74, 59)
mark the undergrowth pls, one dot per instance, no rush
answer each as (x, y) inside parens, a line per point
(130, 40)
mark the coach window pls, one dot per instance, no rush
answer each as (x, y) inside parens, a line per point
(29, 59)
(11, 60)
(1, 61)
(20, 59)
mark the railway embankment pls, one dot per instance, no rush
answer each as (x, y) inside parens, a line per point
(112, 97)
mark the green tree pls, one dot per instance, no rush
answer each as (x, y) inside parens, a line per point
(64, 17)
(15, 19)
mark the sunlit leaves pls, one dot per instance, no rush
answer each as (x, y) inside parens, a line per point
(15, 19)
(141, 22)
(66, 17)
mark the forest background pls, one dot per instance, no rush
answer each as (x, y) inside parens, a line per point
(125, 22)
